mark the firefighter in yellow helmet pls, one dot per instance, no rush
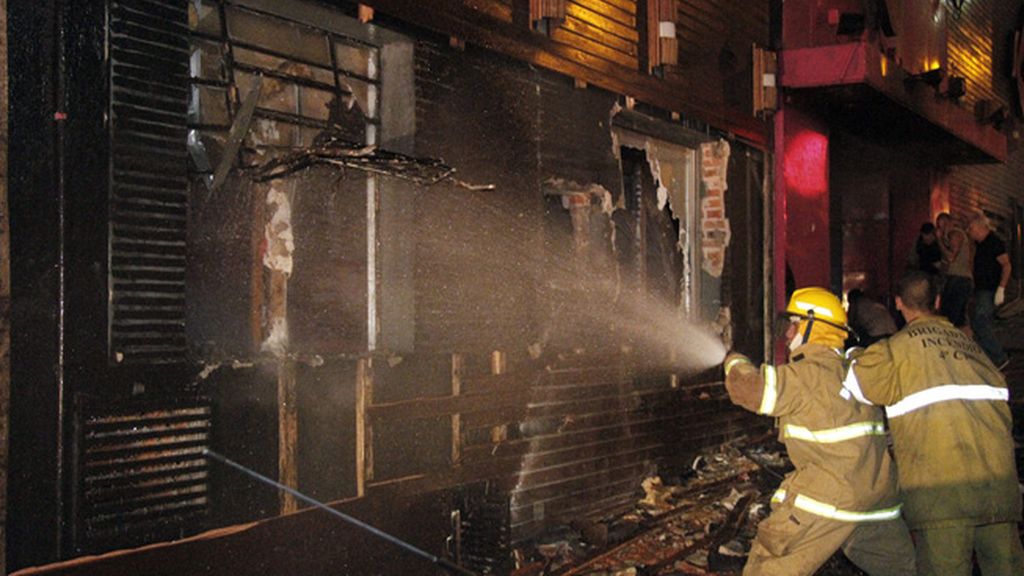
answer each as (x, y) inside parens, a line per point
(842, 494)
(950, 421)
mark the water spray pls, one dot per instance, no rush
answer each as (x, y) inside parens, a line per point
(442, 562)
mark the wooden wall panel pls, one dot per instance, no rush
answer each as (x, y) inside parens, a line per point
(221, 261)
(974, 45)
(715, 41)
(988, 187)
(598, 431)
(498, 9)
(327, 292)
(598, 43)
(570, 440)
(607, 30)
(473, 289)
(980, 48)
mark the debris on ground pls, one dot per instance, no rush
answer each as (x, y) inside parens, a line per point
(694, 519)
(701, 522)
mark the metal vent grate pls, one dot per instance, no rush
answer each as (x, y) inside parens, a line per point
(142, 474)
(149, 56)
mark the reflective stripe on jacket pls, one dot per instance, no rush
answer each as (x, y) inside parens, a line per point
(813, 506)
(837, 445)
(948, 412)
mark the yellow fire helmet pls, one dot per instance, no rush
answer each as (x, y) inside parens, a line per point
(820, 305)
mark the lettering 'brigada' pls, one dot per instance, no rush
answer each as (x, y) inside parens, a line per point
(923, 330)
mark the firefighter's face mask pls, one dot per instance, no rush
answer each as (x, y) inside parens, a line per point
(794, 334)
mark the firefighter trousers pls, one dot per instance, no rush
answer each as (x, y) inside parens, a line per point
(793, 542)
(947, 551)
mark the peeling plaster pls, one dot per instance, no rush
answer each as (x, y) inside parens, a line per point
(277, 341)
(210, 368)
(207, 370)
(266, 132)
(566, 188)
(670, 168)
(280, 242)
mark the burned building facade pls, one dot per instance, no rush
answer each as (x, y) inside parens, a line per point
(462, 269)
(500, 277)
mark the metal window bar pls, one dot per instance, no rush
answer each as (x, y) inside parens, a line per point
(338, 71)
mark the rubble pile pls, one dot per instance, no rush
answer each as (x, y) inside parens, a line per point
(700, 524)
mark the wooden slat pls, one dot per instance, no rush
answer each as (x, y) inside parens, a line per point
(456, 423)
(490, 383)
(595, 34)
(627, 6)
(449, 17)
(600, 50)
(288, 434)
(731, 18)
(603, 22)
(497, 9)
(423, 408)
(364, 430)
(625, 17)
(582, 509)
(568, 486)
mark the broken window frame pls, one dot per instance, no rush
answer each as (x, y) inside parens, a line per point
(228, 40)
(337, 31)
(689, 233)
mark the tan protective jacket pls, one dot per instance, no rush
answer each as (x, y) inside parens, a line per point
(843, 470)
(950, 422)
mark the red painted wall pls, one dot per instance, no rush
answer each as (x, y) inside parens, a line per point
(886, 194)
(920, 26)
(805, 23)
(803, 168)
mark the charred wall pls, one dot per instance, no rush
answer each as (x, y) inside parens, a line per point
(460, 270)
(34, 297)
(477, 265)
(500, 122)
(56, 179)
(479, 112)
(744, 283)
(5, 292)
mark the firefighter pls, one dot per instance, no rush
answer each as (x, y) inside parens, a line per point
(951, 430)
(842, 494)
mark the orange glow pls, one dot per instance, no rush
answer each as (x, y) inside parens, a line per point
(938, 200)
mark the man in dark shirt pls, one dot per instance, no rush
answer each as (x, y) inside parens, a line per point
(927, 253)
(991, 273)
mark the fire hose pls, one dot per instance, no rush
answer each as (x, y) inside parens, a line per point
(442, 562)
